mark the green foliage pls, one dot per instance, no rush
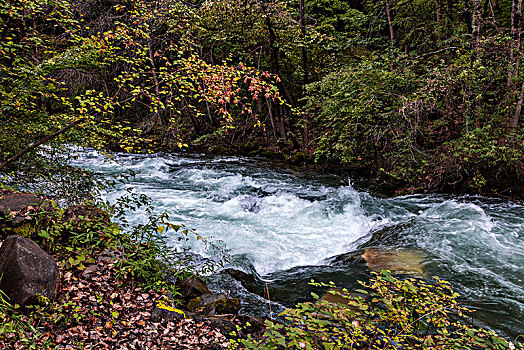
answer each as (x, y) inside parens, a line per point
(14, 325)
(387, 314)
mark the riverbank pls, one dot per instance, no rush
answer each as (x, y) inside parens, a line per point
(108, 289)
(378, 177)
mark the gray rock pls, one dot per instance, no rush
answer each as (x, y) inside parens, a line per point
(90, 270)
(16, 202)
(28, 273)
(17, 210)
(110, 256)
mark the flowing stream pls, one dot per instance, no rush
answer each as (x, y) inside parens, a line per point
(289, 226)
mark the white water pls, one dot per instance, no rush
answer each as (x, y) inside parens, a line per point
(277, 219)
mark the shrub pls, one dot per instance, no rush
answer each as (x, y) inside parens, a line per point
(388, 313)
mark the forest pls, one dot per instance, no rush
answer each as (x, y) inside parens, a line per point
(419, 96)
(411, 97)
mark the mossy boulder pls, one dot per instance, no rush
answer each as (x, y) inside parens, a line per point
(26, 228)
(211, 304)
(227, 306)
(24, 214)
(191, 288)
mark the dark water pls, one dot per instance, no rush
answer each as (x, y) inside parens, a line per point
(287, 225)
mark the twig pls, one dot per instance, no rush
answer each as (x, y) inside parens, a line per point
(42, 141)
(269, 302)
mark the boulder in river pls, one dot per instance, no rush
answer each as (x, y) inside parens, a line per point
(28, 273)
(398, 260)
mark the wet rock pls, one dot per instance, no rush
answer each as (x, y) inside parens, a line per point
(166, 313)
(252, 325)
(227, 306)
(402, 261)
(211, 304)
(191, 288)
(28, 273)
(224, 326)
(398, 260)
(248, 280)
(336, 296)
(204, 300)
(251, 303)
(385, 236)
(348, 259)
(78, 213)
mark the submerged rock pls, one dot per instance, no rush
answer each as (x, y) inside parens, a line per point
(399, 260)
(336, 296)
(28, 273)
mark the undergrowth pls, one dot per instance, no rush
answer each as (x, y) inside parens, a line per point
(142, 256)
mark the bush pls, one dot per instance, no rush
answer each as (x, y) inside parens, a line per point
(388, 313)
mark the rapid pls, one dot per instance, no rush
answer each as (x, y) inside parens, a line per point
(287, 226)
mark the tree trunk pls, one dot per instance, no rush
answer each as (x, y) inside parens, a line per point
(438, 11)
(157, 84)
(271, 118)
(304, 48)
(516, 17)
(41, 142)
(390, 22)
(475, 23)
(514, 122)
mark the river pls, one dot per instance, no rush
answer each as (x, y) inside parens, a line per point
(288, 225)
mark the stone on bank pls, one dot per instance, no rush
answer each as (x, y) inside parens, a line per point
(28, 273)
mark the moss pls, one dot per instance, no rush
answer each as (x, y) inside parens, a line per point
(269, 153)
(162, 305)
(227, 306)
(193, 303)
(297, 158)
(25, 229)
